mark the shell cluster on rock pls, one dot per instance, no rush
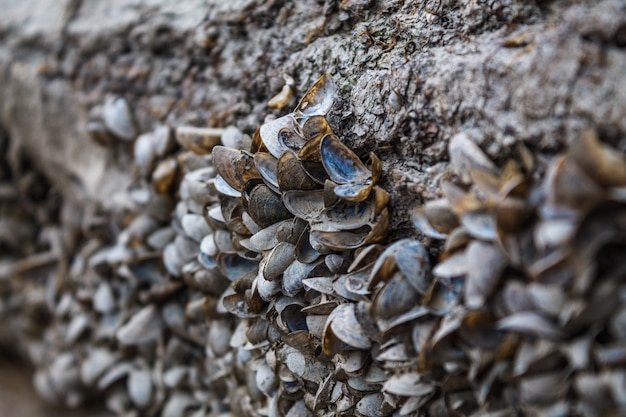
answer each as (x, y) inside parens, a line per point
(251, 276)
(537, 327)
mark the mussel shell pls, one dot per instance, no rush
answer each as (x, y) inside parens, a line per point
(353, 192)
(265, 206)
(294, 274)
(315, 170)
(267, 165)
(342, 165)
(459, 200)
(234, 266)
(315, 128)
(306, 205)
(266, 238)
(144, 153)
(344, 240)
(293, 318)
(291, 175)
(396, 297)
(340, 240)
(465, 156)
(236, 167)
(281, 99)
(485, 265)
(257, 142)
(144, 326)
(118, 119)
(291, 230)
(413, 261)
(199, 140)
(304, 251)
(440, 216)
(224, 188)
(408, 385)
(236, 304)
(441, 298)
(164, 175)
(330, 198)
(364, 256)
(344, 325)
(603, 164)
(568, 187)
(281, 135)
(257, 331)
(310, 152)
(318, 100)
(278, 260)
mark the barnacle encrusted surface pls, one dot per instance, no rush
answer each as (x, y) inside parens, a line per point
(253, 277)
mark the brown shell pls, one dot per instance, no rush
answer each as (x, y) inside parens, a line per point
(265, 206)
(291, 175)
(236, 167)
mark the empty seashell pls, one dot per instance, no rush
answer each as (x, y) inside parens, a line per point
(455, 266)
(531, 323)
(543, 389)
(306, 205)
(236, 167)
(413, 262)
(199, 140)
(318, 100)
(481, 225)
(603, 164)
(266, 379)
(145, 326)
(139, 384)
(342, 165)
(118, 119)
(485, 265)
(265, 206)
(281, 135)
(466, 156)
(396, 297)
(224, 188)
(278, 260)
(266, 238)
(291, 175)
(294, 274)
(177, 404)
(164, 175)
(144, 152)
(353, 192)
(281, 99)
(234, 266)
(407, 385)
(346, 328)
(195, 226)
(267, 166)
(441, 298)
(423, 225)
(95, 364)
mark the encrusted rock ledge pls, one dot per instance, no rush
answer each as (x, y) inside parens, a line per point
(523, 98)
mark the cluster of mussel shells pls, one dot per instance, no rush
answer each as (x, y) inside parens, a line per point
(251, 276)
(539, 323)
(298, 205)
(199, 312)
